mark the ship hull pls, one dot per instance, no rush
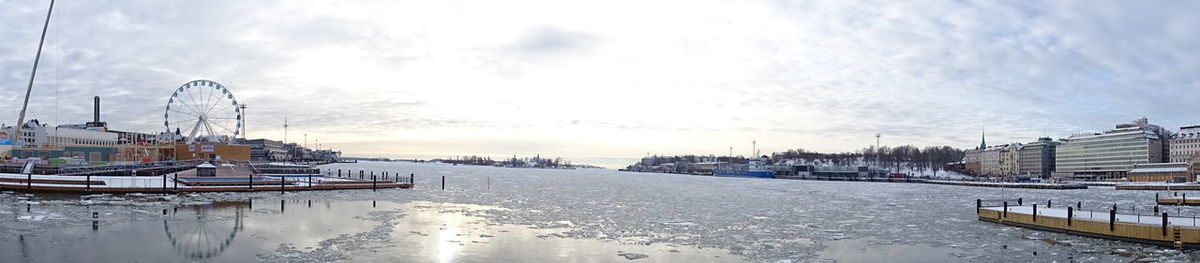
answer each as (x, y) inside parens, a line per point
(755, 174)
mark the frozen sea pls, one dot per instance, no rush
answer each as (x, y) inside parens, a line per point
(489, 214)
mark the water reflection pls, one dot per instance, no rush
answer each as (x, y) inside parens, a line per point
(198, 236)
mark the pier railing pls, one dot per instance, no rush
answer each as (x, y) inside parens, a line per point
(1152, 215)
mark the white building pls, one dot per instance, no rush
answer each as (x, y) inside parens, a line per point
(1185, 144)
(38, 135)
(1112, 153)
(990, 160)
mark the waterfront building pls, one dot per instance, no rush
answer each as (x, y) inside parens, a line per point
(1160, 172)
(1009, 156)
(41, 141)
(1037, 158)
(266, 150)
(1110, 154)
(989, 160)
(971, 161)
(1185, 144)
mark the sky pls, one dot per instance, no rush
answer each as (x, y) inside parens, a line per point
(610, 81)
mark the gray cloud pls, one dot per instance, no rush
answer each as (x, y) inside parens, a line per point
(921, 72)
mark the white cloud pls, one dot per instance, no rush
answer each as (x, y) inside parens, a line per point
(621, 78)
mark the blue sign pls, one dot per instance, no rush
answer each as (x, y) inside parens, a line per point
(6, 141)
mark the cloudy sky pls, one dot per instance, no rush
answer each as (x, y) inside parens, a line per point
(604, 80)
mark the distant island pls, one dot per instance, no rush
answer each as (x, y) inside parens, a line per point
(514, 162)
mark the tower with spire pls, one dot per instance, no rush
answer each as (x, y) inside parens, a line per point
(983, 139)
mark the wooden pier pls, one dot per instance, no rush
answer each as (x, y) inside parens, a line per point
(229, 179)
(1156, 228)
(1177, 199)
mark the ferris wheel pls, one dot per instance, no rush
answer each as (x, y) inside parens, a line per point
(203, 111)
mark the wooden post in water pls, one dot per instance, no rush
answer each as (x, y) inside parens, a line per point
(281, 182)
(1070, 214)
(1164, 224)
(1004, 213)
(443, 182)
(176, 181)
(1079, 205)
(339, 173)
(1020, 201)
(29, 182)
(250, 181)
(1112, 220)
(978, 205)
(310, 183)
(89, 182)
(1156, 209)
(410, 179)
(164, 185)
(1048, 202)
(374, 183)
(1034, 212)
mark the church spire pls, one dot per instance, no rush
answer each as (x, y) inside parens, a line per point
(983, 139)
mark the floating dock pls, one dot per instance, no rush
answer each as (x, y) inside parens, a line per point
(1011, 185)
(1177, 199)
(1158, 229)
(225, 178)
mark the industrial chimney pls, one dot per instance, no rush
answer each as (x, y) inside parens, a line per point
(96, 110)
(96, 123)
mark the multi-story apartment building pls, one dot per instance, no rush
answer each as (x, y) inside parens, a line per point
(1112, 153)
(1185, 144)
(1009, 156)
(989, 160)
(971, 161)
(1037, 158)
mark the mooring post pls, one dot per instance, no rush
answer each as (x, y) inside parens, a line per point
(410, 179)
(978, 205)
(89, 182)
(374, 183)
(443, 182)
(1112, 220)
(310, 183)
(29, 182)
(1048, 202)
(1034, 212)
(1070, 214)
(164, 185)
(176, 181)
(281, 182)
(360, 174)
(1079, 205)
(1164, 224)
(250, 181)
(1020, 201)
(1156, 209)
(339, 173)
(1004, 213)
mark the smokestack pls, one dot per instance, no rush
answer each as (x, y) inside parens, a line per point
(96, 111)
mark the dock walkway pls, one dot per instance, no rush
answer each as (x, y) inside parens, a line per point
(1158, 229)
(157, 184)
